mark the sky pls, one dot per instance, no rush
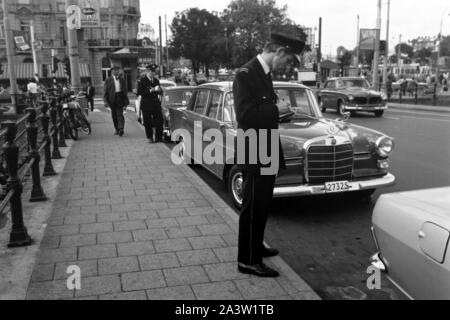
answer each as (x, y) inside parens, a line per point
(409, 18)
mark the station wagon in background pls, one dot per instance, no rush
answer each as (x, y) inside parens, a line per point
(351, 95)
(174, 97)
(412, 233)
(323, 156)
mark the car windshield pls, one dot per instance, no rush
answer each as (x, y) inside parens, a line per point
(178, 97)
(296, 103)
(353, 83)
(167, 85)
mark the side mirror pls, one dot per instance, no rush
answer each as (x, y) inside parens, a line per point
(345, 117)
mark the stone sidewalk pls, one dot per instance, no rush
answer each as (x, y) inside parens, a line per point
(140, 227)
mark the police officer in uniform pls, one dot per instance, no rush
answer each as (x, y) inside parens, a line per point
(255, 105)
(150, 91)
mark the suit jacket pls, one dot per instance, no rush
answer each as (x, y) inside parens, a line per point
(109, 95)
(90, 92)
(149, 99)
(255, 106)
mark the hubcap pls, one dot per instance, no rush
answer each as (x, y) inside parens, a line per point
(237, 184)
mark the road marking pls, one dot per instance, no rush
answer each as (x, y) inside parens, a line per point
(419, 113)
(391, 118)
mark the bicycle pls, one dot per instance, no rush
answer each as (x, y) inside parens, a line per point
(74, 117)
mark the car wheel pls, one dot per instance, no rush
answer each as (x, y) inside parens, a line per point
(379, 114)
(322, 106)
(236, 186)
(341, 108)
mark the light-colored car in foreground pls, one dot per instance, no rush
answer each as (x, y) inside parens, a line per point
(412, 233)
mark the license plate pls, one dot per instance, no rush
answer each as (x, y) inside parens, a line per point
(338, 186)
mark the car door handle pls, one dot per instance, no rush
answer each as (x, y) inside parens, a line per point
(422, 235)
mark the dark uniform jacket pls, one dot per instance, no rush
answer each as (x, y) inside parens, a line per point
(149, 99)
(110, 93)
(90, 92)
(255, 106)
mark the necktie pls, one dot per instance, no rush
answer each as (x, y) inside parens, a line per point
(269, 76)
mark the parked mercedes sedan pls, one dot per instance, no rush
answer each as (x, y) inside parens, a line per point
(412, 233)
(351, 95)
(323, 156)
(174, 97)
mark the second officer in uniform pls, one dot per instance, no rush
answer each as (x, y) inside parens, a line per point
(150, 91)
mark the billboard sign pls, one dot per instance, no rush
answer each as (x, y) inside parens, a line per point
(22, 42)
(367, 39)
(90, 13)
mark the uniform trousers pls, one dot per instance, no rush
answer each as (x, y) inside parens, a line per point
(257, 198)
(153, 118)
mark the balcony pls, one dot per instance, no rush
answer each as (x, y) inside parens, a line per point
(113, 43)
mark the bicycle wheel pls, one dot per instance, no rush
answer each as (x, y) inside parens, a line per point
(72, 129)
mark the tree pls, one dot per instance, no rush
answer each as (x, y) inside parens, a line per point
(346, 59)
(445, 46)
(195, 37)
(405, 49)
(250, 23)
(423, 55)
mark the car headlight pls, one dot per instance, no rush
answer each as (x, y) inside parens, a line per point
(384, 146)
(351, 98)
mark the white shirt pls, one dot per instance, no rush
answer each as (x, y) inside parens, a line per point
(263, 64)
(32, 88)
(117, 83)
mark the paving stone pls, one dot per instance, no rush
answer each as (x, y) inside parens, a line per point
(190, 196)
(181, 204)
(122, 194)
(81, 203)
(185, 276)
(79, 240)
(200, 211)
(158, 261)
(99, 286)
(215, 229)
(143, 280)
(224, 272)
(114, 237)
(161, 223)
(197, 257)
(97, 252)
(126, 207)
(110, 201)
(192, 221)
(148, 235)
(172, 245)
(171, 213)
(154, 205)
(111, 217)
(215, 219)
(56, 221)
(88, 268)
(256, 288)
(207, 242)
(50, 242)
(47, 256)
(43, 272)
(142, 215)
(183, 232)
(165, 197)
(181, 293)
(130, 225)
(53, 290)
(80, 219)
(95, 209)
(232, 240)
(217, 291)
(63, 230)
(228, 254)
(97, 227)
(135, 248)
(125, 296)
(118, 265)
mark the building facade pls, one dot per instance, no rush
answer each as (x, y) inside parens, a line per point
(114, 41)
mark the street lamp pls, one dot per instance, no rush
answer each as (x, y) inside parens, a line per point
(438, 69)
(226, 45)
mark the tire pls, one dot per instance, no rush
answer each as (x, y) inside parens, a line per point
(73, 131)
(364, 194)
(235, 186)
(340, 108)
(379, 114)
(86, 129)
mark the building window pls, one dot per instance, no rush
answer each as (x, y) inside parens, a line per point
(24, 1)
(2, 31)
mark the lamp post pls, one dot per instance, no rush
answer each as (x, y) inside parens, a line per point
(438, 69)
(226, 46)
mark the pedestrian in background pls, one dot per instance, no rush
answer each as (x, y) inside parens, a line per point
(90, 95)
(116, 98)
(150, 91)
(255, 105)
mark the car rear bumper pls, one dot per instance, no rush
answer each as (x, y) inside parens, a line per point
(308, 190)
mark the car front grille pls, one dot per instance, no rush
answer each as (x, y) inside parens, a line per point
(360, 100)
(375, 100)
(329, 163)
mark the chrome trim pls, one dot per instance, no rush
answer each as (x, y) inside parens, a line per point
(314, 142)
(310, 190)
(378, 263)
(366, 108)
(372, 230)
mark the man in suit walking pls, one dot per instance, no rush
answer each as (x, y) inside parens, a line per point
(255, 105)
(90, 95)
(116, 98)
(150, 91)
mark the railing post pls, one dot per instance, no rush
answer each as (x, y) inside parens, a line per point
(62, 136)
(48, 168)
(37, 193)
(19, 235)
(53, 115)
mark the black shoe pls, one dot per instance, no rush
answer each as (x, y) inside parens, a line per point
(259, 270)
(269, 252)
(121, 133)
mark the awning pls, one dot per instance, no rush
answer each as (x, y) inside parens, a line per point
(25, 71)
